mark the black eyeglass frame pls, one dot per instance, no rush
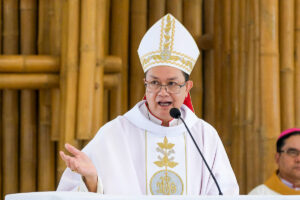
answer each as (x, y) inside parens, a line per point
(166, 86)
(291, 152)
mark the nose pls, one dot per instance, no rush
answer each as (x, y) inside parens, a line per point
(163, 90)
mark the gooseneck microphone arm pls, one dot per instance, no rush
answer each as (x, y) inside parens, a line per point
(175, 113)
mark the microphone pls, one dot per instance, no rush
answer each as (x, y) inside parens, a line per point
(175, 113)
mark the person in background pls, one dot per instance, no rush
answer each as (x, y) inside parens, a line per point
(286, 179)
(146, 151)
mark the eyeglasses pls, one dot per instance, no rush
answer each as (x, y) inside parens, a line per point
(171, 87)
(291, 152)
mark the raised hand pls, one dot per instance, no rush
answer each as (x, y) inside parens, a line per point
(80, 163)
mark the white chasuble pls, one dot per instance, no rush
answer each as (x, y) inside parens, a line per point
(165, 164)
(134, 155)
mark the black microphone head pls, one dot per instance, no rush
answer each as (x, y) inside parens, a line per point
(175, 113)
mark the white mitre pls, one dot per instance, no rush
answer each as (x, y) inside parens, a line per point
(169, 43)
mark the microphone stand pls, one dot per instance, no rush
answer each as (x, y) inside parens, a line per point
(212, 175)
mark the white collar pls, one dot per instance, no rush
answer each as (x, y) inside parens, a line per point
(139, 119)
(145, 110)
(289, 184)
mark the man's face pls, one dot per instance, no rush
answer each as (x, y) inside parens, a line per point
(289, 166)
(161, 101)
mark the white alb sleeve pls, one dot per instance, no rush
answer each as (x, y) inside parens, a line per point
(82, 187)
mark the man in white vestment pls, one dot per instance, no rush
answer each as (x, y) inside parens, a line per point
(146, 151)
(285, 180)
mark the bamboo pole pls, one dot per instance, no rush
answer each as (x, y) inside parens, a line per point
(111, 64)
(1, 35)
(175, 8)
(138, 28)
(55, 9)
(106, 105)
(55, 109)
(28, 162)
(10, 102)
(28, 12)
(249, 103)
(119, 47)
(269, 69)
(223, 88)
(29, 63)
(28, 152)
(10, 26)
(297, 63)
(286, 49)
(55, 38)
(102, 16)
(10, 142)
(46, 164)
(56, 26)
(106, 93)
(97, 101)
(234, 59)
(28, 81)
(1, 140)
(219, 46)
(257, 98)
(157, 9)
(46, 175)
(62, 82)
(87, 70)
(209, 69)
(240, 146)
(111, 81)
(44, 15)
(68, 74)
(116, 100)
(55, 113)
(1, 127)
(192, 18)
(45, 63)
(237, 141)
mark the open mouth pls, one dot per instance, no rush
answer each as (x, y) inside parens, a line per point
(165, 103)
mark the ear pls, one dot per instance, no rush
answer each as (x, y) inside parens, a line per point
(189, 85)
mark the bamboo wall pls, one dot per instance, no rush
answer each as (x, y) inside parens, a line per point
(69, 66)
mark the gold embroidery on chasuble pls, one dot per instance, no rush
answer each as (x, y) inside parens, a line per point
(166, 166)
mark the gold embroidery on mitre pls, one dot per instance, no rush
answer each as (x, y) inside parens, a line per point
(165, 54)
(166, 182)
